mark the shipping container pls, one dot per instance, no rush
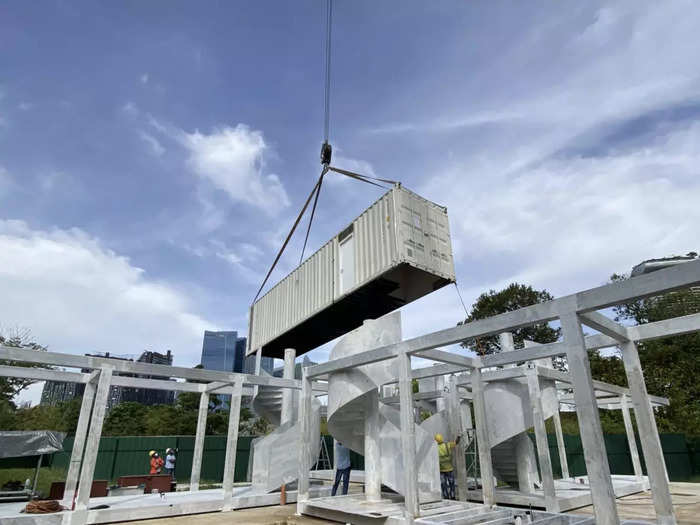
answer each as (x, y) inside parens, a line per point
(395, 252)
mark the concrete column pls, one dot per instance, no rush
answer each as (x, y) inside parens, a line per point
(550, 494)
(488, 487)
(631, 441)
(76, 456)
(454, 421)
(287, 393)
(92, 443)
(199, 441)
(649, 436)
(408, 438)
(440, 387)
(596, 457)
(305, 415)
(527, 471)
(258, 366)
(373, 458)
(505, 339)
(560, 446)
(231, 444)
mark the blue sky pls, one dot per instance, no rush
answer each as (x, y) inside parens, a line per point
(154, 154)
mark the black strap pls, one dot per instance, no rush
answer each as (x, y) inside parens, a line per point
(313, 211)
(363, 178)
(291, 232)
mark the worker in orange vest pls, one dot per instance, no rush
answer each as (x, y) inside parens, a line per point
(156, 462)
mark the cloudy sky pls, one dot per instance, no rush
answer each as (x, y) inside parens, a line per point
(154, 154)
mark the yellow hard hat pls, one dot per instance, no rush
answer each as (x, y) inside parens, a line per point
(150, 453)
(438, 438)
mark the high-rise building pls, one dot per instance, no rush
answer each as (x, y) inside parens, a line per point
(146, 396)
(55, 392)
(226, 351)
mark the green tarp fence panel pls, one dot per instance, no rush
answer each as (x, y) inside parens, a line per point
(119, 456)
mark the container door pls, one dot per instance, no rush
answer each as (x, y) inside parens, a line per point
(347, 263)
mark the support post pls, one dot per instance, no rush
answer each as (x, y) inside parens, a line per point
(440, 387)
(408, 438)
(231, 444)
(488, 488)
(649, 435)
(199, 441)
(36, 473)
(550, 494)
(631, 441)
(305, 438)
(527, 470)
(594, 452)
(373, 459)
(456, 429)
(287, 393)
(92, 443)
(76, 455)
(561, 448)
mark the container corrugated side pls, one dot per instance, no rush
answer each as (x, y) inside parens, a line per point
(375, 241)
(306, 290)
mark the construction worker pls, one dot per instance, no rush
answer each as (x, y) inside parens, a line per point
(342, 466)
(170, 460)
(447, 475)
(156, 462)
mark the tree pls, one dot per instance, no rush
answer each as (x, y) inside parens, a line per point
(126, 419)
(671, 365)
(17, 337)
(513, 297)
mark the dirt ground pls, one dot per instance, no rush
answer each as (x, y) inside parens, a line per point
(686, 502)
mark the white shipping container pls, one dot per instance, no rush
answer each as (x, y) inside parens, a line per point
(395, 252)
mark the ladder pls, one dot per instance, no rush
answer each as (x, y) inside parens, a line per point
(324, 459)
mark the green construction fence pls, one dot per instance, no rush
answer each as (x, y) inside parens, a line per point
(127, 455)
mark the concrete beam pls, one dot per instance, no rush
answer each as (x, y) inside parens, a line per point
(199, 441)
(488, 487)
(563, 461)
(545, 460)
(649, 435)
(130, 367)
(408, 439)
(605, 325)
(595, 455)
(666, 328)
(287, 411)
(76, 457)
(305, 424)
(92, 443)
(631, 440)
(449, 357)
(231, 445)
(43, 374)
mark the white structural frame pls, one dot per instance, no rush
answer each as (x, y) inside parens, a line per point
(572, 311)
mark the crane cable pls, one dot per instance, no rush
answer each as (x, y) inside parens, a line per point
(326, 154)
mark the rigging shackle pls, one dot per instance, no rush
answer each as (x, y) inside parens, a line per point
(326, 153)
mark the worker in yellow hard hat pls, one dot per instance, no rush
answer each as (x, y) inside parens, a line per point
(447, 475)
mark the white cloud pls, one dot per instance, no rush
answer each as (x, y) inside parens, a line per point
(233, 160)
(130, 109)
(144, 78)
(25, 106)
(78, 296)
(154, 146)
